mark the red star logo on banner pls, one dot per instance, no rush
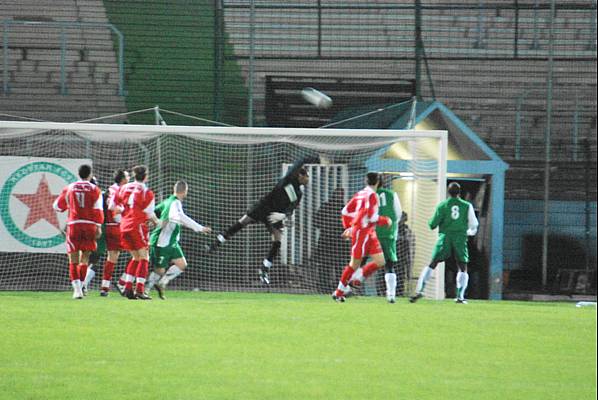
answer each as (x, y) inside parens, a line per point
(40, 205)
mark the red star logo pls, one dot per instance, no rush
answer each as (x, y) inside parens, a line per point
(40, 205)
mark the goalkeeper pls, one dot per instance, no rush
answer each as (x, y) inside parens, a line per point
(272, 210)
(164, 240)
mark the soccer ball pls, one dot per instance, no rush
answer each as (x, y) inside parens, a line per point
(317, 98)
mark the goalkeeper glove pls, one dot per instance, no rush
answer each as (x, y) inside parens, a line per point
(275, 217)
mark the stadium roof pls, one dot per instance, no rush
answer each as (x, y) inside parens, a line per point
(464, 144)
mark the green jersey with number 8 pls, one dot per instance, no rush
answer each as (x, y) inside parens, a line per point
(452, 216)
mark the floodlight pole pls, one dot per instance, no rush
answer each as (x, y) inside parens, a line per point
(549, 82)
(251, 71)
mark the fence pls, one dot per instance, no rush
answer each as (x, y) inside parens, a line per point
(56, 35)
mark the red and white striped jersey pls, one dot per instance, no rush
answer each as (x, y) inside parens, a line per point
(113, 214)
(83, 200)
(138, 202)
(361, 212)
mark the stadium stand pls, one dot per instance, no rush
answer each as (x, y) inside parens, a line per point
(37, 85)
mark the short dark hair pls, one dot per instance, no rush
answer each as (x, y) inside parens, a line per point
(302, 171)
(139, 172)
(180, 186)
(373, 178)
(119, 175)
(85, 171)
(454, 189)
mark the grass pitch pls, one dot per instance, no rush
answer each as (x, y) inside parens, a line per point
(270, 346)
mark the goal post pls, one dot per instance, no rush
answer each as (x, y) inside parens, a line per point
(228, 170)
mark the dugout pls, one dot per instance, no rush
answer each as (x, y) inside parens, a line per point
(471, 162)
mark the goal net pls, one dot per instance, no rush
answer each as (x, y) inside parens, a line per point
(228, 169)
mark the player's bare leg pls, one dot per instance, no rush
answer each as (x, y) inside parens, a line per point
(74, 258)
(462, 281)
(421, 282)
(179, 265)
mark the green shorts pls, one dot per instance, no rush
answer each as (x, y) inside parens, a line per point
(101, 242)
(389, 248)
(160, 257)
(448, 244)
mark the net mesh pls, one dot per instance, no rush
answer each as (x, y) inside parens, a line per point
(227, 172)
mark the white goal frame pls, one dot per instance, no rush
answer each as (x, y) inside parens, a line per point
(12, 129)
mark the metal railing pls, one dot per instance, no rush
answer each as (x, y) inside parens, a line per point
(63, 25)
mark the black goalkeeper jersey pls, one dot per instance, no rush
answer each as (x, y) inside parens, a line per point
(285, 196)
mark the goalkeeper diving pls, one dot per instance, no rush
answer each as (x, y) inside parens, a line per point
(272, 210)
(165, 250)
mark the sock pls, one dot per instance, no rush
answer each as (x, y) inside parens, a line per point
(267, 263)
(369, 269)
(141, 275)
(73, 272)
(458, 282)
(90, 274)
(172, 273)
(122, 279)
(82, 271)
(357, 276)
(273, 251)
(346, 275)
(464, 282)
(391, 284)
(423, 278)
(237, 226)
(130, 271)
(152, 280)
(107, 275)
(76, 285)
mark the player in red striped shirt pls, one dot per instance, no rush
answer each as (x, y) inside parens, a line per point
(83, 200)
(138, 208)
(360, 217)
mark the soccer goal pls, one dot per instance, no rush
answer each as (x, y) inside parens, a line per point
(228, 169)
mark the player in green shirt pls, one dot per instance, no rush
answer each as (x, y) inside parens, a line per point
(390, 206)
(455, 220)
(164, 240)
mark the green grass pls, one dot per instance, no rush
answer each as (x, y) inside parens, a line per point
(269, 346)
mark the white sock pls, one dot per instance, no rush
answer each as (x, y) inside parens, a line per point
(172, 273)
(221, 238)
(423, 278)
(76, 285)
(129, 278)
(152, 280)
(464, 282)
(90, 274)
(343, 288)
(267, 263)
(357, 275)
(391, 285)
(105, 284)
